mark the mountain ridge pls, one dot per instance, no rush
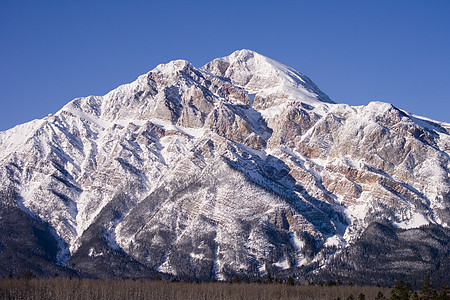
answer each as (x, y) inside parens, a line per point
(241, 166)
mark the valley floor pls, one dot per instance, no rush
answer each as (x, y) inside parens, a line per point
(64, 288)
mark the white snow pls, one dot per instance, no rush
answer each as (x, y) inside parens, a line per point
(296, 242)
(274, 111)
(193, 132)
(198, 256)
(320, 162)
(261, 154)
(170, 68)
(13, 139)
(262, 269)
(90, 118)
(93, 253)
(334, 241)
(165, 267)
(417, 220)
(357, 211)
(265, 77)
(282, 264)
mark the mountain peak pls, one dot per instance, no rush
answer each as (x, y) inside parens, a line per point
(173, 66)
(266, 77)
(244, 54)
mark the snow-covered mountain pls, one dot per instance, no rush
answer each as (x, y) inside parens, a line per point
(240, 167)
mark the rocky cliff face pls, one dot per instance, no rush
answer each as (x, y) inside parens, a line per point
(240, 167)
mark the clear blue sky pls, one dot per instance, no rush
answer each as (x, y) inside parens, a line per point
(356, 51)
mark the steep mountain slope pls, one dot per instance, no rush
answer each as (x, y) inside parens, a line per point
(242, 166)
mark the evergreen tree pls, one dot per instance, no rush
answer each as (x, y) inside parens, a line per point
(426, 293)
(435, 295)
(28, 275)
(444, 293)
(400, 291)
(235, 279)
(361, 297)
(380, 296)
(269, 278)
(246, 279)
(290, 281)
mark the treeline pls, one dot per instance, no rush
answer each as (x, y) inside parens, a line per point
(402, 291)
(30, 287)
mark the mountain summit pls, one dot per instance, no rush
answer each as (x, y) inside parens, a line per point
(240, 167)
(265, 77)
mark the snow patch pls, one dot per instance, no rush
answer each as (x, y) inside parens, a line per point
(334, 241)
(198, 256)
(93, 253)
(193, 132)
(262, 269)
(283, 263)
(296, 242)
(417, 220)
(274, 111)
(165, 267)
